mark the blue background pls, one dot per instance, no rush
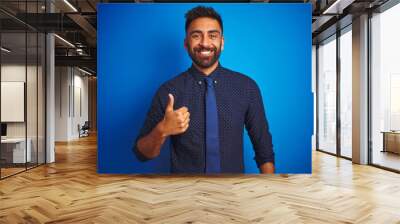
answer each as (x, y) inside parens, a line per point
(140, 46)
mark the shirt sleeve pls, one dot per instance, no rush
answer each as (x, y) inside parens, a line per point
(154, 115)
(257, 127)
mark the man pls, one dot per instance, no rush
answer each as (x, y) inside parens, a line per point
(205, 109)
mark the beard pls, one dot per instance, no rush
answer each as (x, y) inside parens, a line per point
(204, 61)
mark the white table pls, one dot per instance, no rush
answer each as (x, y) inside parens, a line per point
(19, 153)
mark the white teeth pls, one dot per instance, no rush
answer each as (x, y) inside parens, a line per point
(205, 52)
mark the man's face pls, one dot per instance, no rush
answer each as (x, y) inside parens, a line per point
(204, 41)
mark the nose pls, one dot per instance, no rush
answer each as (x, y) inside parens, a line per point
(205, 41)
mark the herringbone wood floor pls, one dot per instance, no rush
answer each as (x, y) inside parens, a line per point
(70, 191)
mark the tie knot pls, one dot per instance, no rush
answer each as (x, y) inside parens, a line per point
(209, 81)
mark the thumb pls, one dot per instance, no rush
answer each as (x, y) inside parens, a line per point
(170, 105)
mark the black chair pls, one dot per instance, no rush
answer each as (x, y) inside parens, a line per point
(84, 130)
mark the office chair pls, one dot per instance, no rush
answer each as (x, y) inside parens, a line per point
(84, 130)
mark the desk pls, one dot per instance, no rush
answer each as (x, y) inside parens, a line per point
(391, 141)
(15, 148)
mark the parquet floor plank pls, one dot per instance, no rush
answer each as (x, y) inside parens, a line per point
(70, 191)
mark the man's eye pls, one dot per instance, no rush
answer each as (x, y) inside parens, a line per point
(213, 36)
(195, 36)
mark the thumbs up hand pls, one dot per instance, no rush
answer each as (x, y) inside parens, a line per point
(175, 121)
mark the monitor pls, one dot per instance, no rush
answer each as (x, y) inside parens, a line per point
(3, 129)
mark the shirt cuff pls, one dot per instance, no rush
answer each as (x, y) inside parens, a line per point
(261, 161)
(139, 155)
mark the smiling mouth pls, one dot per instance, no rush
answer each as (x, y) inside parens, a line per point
(205, 53)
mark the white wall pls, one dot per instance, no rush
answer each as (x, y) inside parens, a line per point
(71, 93)
(16, 72)
(62, 81)
(33, 127)
(80, 110)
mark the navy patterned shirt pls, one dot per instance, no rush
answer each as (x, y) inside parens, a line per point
(239, 105)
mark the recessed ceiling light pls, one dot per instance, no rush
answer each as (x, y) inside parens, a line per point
(70, 5)
(64, 40)
(84, 71)
(337, 7)
(5, 50)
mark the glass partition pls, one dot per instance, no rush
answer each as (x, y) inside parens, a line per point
(346, 92)
(32, 95)
(385, 89)
(327, 95)
(13, 108)
(22, 89)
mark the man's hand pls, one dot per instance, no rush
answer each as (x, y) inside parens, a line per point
(175, 121)
(267, 168)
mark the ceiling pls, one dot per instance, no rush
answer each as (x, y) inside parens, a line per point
(76, 22)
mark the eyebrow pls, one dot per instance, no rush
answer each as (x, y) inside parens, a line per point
(195, 31)
(214, 31)
(199, 31)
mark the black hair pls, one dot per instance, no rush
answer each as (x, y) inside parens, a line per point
(202, 11)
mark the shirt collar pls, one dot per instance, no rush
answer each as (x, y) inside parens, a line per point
(199, 75)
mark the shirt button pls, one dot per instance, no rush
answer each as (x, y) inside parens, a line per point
(199, 82)
(215, 81)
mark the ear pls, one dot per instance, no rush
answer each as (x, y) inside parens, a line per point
(222, 43)
(185, 44)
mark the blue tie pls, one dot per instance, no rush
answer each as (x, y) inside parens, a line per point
(212, 137)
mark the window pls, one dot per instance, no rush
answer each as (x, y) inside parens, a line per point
(385, 88)
(346, 92)
(327, 95)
